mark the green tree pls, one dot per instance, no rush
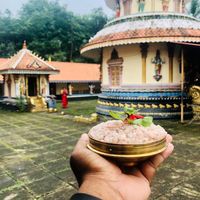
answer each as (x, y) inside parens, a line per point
(49, 29)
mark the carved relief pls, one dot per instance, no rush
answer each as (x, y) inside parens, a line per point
(127, 6)
(165, 5)
(141, 5)
(115, 69)
(158, 65)
(22, 86)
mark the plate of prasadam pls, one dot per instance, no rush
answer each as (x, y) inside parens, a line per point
(129, 139)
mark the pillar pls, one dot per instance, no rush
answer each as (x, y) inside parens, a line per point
(171, 56)
(144, 51)
(17, 87)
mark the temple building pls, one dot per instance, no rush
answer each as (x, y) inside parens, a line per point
(26, 75)
(143, 51)
(29, 76)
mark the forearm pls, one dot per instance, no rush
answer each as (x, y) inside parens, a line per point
(100, 189)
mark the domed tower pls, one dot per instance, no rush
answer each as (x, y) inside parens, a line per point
(141, 56)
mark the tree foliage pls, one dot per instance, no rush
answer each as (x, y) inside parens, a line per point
(49, 29)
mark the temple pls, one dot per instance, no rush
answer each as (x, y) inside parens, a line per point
(144, 51)
(26, 75)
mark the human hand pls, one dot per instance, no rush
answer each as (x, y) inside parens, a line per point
(101, 178)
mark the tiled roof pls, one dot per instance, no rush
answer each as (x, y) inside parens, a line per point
(25, 61)
(70, 72)
(147, 33)
(144, 28)
(76, 72)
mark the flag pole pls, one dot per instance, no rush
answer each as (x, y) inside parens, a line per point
(182, 84)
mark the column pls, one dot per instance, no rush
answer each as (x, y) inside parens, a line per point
(144, 51)
(17, 88)
(171, 56)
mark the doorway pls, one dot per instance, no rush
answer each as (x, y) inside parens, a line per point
(32, 86)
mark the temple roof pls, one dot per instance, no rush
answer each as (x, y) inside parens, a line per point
(76, 72)
(144, 28)
(26, 62)
(70, 72)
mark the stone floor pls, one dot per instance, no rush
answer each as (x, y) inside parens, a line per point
(35, 149)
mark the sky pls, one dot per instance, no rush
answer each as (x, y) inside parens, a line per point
(76, 6)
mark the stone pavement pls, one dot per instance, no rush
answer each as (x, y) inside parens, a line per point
(35, 149)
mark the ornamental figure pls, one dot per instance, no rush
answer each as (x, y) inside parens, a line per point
(158, 66)
(141, 4)
(165, 5)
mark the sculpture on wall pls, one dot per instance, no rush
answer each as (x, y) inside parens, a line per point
(141, 5)
(115, 69)
(158, 66)
(165, 5)
(22, 86)
(117, 14)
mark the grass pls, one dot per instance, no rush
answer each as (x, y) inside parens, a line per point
(84, 107)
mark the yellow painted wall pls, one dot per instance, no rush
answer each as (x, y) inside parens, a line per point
(106, 57)
(132, 65)
(150, 6)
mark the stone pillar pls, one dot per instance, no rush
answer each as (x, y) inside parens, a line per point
(9, 82)
(47, 85)
(171, 56)
(26, 85)
(4, 85)
(17, 86)
(144, 51)
(70, 89)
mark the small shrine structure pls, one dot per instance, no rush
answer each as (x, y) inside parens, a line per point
(27, 75)
(142, 56)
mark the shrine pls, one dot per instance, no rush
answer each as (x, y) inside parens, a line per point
(144, 53)
(27, 75)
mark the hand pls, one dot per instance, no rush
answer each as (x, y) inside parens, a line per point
(101, 178)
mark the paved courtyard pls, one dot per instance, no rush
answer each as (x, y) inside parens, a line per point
(35, 149)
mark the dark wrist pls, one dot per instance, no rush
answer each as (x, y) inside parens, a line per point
(99, 189)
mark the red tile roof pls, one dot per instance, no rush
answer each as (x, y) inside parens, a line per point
(146, 33)
(76, 72)
(25, 61)
(70, 72)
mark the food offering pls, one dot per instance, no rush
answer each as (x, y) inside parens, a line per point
(128, 139)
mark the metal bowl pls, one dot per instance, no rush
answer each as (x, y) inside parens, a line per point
(127, 154)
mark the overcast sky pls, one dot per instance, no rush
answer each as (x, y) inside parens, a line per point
(77, 6)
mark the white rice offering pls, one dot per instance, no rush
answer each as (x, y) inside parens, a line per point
(118, 132)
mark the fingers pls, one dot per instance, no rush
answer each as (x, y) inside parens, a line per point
(148, 169)
(82, 142)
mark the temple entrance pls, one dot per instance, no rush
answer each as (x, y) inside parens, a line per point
(32, 86)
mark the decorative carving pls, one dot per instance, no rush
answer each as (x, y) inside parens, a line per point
(22, 86)
(115, 69)
(141, 5)
(158, 66)
(165, 5)
(117, 12)
(127, 7)
(195, 94)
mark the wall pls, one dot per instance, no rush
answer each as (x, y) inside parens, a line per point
(150, 6)
(132, 65)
